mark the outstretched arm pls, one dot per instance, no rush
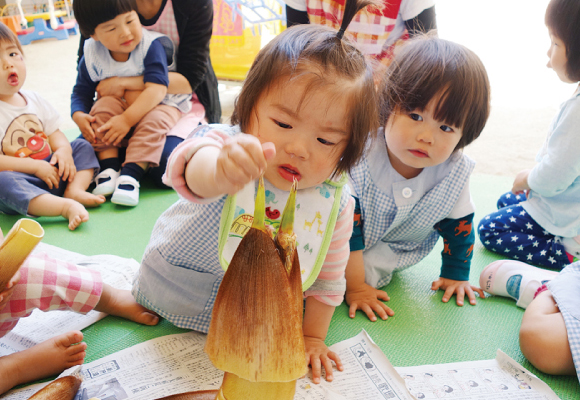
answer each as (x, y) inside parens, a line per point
(458, 239)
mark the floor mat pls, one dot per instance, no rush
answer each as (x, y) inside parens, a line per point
(423, 331)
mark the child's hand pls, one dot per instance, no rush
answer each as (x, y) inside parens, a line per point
(84, 122)
(521, 182)
(48, 173)
(117, 128)
(66, 166)
(111, 87)
(241, 160)
(368, 299)
(318, 356)
(458, 287)
(7, 292)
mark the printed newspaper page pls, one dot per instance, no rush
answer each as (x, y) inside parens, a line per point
(498, 379)
(177, 363)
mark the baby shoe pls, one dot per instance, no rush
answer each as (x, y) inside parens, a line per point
(514, 279)
(126, 191)
(106, 181)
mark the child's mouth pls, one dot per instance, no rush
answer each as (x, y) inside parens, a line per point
(13, 79)
(128, 42)
(289, 173)
(419, 153)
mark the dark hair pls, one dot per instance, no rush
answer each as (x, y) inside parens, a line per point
(563, 18)
(6, 35)
(91, 13)
(318, 53)
(428, 68)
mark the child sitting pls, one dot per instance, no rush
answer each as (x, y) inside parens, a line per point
(550, 330)
(48, 284)
(304, 114)
(539, 220)
(138, 121)
(414, 184)
(41, 173)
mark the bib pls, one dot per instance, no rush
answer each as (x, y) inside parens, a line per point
(315, 217)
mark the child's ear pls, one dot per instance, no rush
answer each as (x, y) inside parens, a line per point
(95, 37)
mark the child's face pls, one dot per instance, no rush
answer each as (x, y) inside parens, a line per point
(415, 140)
(557, 57)
(120, 35)
(13, 70)
(309, 137)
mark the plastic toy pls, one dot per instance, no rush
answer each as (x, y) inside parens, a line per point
(55, 28)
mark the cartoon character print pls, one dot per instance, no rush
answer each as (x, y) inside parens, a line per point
(25, 137)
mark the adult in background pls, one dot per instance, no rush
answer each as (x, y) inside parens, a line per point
(189, 24)
(376, 31)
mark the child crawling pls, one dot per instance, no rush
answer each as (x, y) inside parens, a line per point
(48, 284)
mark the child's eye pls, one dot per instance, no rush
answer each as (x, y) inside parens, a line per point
(415, 117)
(283, 125)
(325, 142)
(14, 54)
(446, 128)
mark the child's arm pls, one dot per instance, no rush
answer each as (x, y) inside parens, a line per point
(82, 99)
(39, 168)
(458, 240)
(317, 318)
(62, 155)
(521, 182)
(118, 126)
(228, 166)
(117, 85)
(360, 295)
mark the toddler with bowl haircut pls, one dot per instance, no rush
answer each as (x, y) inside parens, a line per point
(413, 186)
(119, 46)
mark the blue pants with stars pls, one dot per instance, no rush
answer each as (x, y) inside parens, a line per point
(511, 232)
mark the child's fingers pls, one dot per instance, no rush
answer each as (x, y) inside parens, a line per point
(316, 369)
(352, 309)
(447, 295)
(460, 296)
(327, 364)
(368, 311)
(269, 150)
(334, 357)
(382, 295)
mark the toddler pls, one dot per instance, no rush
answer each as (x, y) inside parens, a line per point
(304, 113)
(138, 121)
(413, 186)
(48, 284)
(539, 220)
(550, 330)
(41, 173)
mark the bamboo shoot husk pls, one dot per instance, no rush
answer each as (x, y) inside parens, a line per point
(256, 327)
(18, 244)
(64, 388)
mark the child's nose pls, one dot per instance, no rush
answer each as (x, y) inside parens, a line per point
(297, 148)
(425, 135)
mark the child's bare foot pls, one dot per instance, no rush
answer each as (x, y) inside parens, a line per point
(122, 304)
(85, 198)
(45, 359)
(75, 212)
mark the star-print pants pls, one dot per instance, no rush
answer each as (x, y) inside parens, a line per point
(511, 232)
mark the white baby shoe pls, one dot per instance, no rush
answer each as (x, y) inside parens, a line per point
(126, 191)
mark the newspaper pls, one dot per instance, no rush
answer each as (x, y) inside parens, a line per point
(40, 326)
(498, 379)
(177, 363)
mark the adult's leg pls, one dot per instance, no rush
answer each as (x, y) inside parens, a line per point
(544, 338)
